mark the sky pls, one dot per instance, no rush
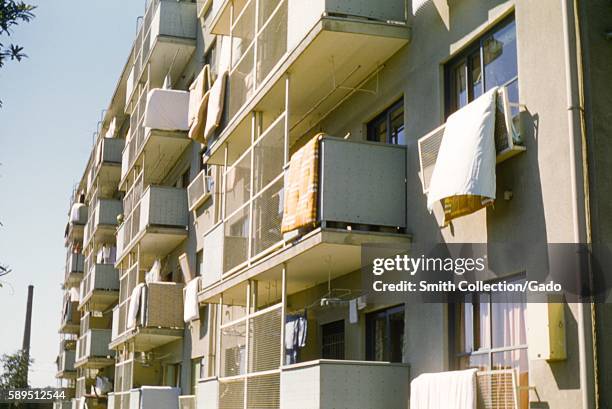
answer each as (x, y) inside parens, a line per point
(51, 103)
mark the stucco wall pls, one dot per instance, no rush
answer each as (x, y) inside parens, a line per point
(541, 207)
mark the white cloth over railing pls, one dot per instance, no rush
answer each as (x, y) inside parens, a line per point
(444, 390)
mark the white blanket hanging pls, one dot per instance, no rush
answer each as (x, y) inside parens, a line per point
(464, 175)
(444, 390)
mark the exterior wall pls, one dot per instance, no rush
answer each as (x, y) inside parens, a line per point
(541, 207)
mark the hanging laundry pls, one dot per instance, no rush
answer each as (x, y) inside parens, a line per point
(296, 332)
(134, 306)
(353, 314)
(463, 178)
(300, 199)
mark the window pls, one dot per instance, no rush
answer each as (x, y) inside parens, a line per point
(489, 62)
(332, 340)
(490, 333)
(388, 127)
(385, 335)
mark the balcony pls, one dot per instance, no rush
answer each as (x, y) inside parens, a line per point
(71, 318)
(92, 349)
(76, 223)
(148, 397)
(164, 43)
(249, 241)
(330, 48)
(155, 150)
(315, 385)
(106, 169)
(102, 222)
(100, 288)
(199, 190)
(74, 269)
(65, 364)
(157, 221)
(159, 321)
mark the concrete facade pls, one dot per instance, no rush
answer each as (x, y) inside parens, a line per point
(542, 208)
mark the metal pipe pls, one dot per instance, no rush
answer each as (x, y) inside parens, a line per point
(574, 113)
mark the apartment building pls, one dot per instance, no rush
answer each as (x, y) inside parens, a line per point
(252, 148)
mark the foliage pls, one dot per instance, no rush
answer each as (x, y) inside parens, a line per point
(11, 13)
(15, 370)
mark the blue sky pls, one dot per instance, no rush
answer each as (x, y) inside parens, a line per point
(51, 103)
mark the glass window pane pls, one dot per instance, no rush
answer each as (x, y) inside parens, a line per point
(482, 323)
(508, 320)
(499, 52)
(460, 95)
(475, 76)
(398, 135)
(480, 361)
(377, 130)
(396, 336)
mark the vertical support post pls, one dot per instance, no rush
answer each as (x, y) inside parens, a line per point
(283, 312)
(287, 112)
(218, 336)
(247, 340)
(254, 136)
(256, 46)
(223, 182)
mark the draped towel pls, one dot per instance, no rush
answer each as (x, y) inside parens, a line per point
(301, 192)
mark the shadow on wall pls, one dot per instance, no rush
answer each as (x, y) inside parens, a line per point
(522, 219)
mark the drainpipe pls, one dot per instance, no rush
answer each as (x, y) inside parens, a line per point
(577, 179)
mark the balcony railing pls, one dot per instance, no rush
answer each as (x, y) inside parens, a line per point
(65, 364)
(152, 397)
(100, 287)
(162, 211)
(174, 21)
(74, 268)
(269, 39)
(199, 190)
(319, 381)
(254, 211)
(93, 344)
(106, 162)
(77, 218)
(159, 320)
(102, 220)
(71, 318)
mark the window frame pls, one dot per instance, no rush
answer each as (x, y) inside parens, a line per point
(455, 333)
(463, 57)
(370, 338)
(385, 117)
(341, 325)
